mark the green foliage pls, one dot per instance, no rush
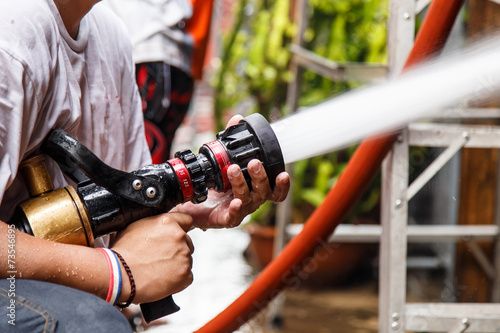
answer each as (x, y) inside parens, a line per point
(343, 31)
(265, 214)
(255, 58)
(314, 177)
(255, 65)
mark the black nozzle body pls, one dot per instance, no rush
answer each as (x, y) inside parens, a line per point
(109, 212)
(252, 138)
(111, 200)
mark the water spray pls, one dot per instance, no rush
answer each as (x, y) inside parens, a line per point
(423, 92)
(107, 200)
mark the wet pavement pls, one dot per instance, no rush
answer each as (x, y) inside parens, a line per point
(353, 310)
(346, 310)
(222, 274)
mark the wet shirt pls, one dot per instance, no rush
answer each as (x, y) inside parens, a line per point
(49, 80)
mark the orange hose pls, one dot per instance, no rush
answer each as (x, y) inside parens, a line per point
(360, 170)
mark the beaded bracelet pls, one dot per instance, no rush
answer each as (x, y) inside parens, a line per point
(115, 276)
(131, 279)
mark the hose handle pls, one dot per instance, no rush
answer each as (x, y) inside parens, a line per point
(79, 163)
(161, 308)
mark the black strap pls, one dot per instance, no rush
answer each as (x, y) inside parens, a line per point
(76, 160)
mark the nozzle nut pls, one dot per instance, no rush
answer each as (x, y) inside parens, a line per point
(137, 184)
(151, 192)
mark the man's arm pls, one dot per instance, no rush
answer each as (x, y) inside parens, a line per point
(157, 250)
(28, 257)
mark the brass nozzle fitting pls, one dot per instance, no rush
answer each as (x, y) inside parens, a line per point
(58, 215)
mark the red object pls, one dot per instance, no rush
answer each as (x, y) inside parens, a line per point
(220, 154)
(184, 179)
(198, 27)
(156, 139)
(111, 274)
(359, 171)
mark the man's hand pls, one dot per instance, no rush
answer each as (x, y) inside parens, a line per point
(158, 251)
(226, 210)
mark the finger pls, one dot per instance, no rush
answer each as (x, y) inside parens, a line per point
(238, 184)
(235, 213)
(282, 187)
(260, 183)
(185, 221)
(190, 243)
(234, 120)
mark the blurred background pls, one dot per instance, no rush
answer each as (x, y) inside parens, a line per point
(251, 66)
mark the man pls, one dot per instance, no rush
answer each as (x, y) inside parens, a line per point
(169, 40)
(65, 64)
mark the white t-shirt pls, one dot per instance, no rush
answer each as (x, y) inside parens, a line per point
(155, 30)
(48, 80)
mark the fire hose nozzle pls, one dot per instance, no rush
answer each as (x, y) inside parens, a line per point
(107, 200)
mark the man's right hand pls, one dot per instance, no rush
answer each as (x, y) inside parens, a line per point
(158, 251)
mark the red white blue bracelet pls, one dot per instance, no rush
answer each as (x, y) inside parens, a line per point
(115, 276)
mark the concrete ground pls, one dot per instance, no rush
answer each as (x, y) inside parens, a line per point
(348, 309)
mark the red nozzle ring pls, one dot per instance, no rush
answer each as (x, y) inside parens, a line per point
(222, 158)
(184, 178)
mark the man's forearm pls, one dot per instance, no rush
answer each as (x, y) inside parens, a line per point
(28, 257)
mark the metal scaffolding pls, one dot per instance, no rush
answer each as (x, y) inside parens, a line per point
(394, 233)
